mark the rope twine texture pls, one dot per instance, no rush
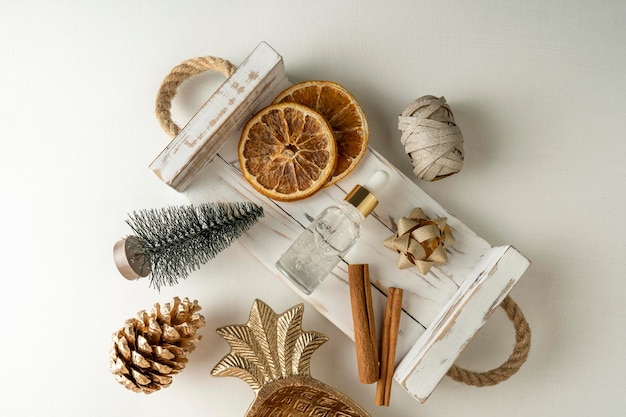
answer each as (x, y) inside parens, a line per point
(431, 138)
(195, 66)
(175, 78)
(515, 361)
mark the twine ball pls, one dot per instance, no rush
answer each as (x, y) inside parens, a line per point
(431, 138)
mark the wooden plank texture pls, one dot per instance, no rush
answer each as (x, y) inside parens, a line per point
(442, 310)
(427, 362)
(255, 82)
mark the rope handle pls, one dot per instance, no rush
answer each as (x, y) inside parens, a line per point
(176, 77)
(195, 66)
(515, 361)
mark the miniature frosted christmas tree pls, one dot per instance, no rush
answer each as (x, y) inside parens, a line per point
(170, 243)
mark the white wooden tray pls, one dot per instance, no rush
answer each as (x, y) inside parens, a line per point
(442, 310)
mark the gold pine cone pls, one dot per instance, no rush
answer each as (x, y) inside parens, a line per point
(150, 348)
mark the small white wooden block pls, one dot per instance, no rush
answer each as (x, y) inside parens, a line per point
(423, 367)
(254, 84)
(442, 310)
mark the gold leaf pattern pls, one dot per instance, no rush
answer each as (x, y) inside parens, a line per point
(234, 365)
(268, 347)
(306, 344)
(288, 329)
(263, 322)
(243, 344)
(272, 354)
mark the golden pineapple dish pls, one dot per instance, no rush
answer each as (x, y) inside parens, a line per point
(272, 354)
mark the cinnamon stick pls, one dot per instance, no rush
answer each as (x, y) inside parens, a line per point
(363, 319)
(391, 327)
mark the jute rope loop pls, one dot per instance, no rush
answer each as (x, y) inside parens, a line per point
(195, 66)
(431, 138)
(515, 361)
(177, 75)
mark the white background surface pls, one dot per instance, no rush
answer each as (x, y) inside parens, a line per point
(538, 89)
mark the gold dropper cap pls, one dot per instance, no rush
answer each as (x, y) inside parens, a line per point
(363, 197)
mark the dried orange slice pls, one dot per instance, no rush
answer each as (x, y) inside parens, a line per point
(344, 115)
(287, 151)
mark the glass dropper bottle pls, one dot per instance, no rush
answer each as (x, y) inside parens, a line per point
(319, 248)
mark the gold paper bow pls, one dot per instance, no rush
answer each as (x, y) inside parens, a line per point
(420, 241)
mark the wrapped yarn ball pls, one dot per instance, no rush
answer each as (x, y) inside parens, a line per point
(421, 242)
(431, 138)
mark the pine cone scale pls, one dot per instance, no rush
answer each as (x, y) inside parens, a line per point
(150, 348)
(143, 346)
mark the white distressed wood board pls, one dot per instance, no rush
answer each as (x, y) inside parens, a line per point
(257, 80)
(442, 310)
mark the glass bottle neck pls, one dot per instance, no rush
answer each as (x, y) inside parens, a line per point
(352, 212)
